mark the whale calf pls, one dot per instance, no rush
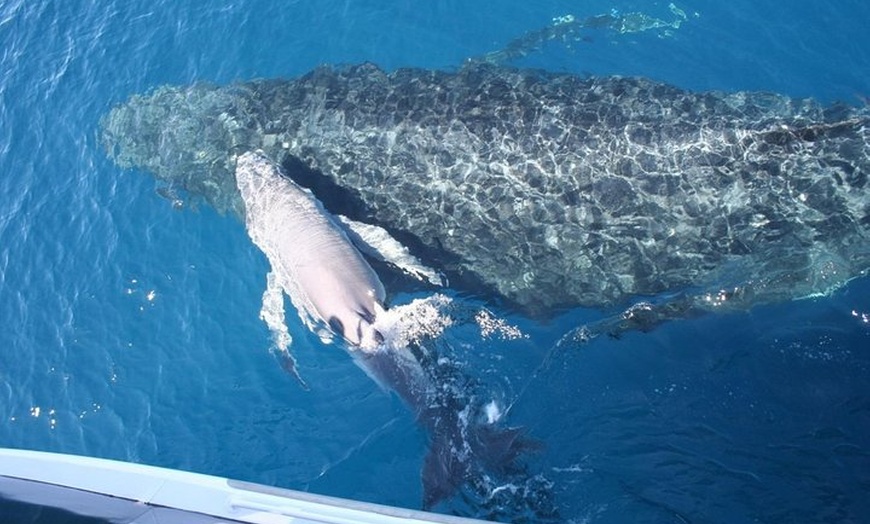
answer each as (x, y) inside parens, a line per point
(324, 275)
(316, 264)
(544, 190)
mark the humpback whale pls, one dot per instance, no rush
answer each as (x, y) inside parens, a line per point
(312, 257)
(314, 261)
(544, 190)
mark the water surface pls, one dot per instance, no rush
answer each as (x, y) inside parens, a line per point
(131, 328)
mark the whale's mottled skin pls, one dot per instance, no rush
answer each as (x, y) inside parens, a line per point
(547, 189)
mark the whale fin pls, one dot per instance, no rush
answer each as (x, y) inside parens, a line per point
(272, 313)
(377, 243)
(454, 457)
(288, 364)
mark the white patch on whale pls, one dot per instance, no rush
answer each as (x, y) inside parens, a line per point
(332, 287)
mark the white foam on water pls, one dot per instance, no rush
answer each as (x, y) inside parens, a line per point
(490, 325)
(430, 317)
(421, 319)
(493, 412)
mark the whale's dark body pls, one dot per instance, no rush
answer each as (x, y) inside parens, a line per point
(549, 189)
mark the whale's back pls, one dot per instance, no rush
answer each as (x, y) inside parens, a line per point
(549, 189)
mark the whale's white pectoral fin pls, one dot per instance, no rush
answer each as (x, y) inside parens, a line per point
(272, 314)
(377, 243)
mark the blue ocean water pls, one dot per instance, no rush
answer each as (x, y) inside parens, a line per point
(131, 329)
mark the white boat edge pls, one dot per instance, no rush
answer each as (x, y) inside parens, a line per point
(125, 492)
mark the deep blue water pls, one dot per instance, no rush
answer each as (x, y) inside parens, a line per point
(130, 329)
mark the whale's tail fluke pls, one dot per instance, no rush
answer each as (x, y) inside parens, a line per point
(443, 472)
(466, 440)
(457, 453)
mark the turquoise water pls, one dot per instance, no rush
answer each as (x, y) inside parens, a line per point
(131, 329)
